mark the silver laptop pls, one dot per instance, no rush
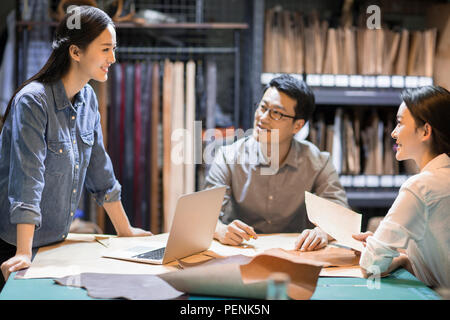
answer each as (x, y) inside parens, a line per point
(192, 230)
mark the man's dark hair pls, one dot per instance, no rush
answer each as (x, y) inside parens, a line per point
(297, 90)
(431, 104)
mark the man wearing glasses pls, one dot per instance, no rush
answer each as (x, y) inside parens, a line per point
(259, 200)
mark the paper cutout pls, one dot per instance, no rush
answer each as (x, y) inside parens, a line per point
(303, 273)
(346, 272)
(236, 259)
(112, 286)
(339, 222)
(330, 256)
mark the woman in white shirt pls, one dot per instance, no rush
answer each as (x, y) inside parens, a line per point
(419, 219)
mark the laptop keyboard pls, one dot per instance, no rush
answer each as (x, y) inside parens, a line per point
(157, 254)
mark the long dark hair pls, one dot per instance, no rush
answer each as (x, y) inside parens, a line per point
(80, 31)
(431, 104)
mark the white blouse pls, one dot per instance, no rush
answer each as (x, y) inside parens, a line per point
(419, 220)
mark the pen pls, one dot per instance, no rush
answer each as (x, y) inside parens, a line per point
(101, 239)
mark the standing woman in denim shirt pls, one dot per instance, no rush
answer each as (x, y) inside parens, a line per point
(52, 143)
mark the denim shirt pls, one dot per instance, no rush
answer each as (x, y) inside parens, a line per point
(49, 149)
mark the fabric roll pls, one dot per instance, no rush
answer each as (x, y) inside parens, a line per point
(112, 102)
(337, 141)
(145, 159)
(211, 93)
(167, 129)
(137, 186)
(190, 121)
(388, 152)
(114, 116)
(200, 91)
(379, 148)
(122, 124)
(154, 151)
(177, 141)
(127, 173)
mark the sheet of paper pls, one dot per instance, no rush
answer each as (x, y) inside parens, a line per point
(103, 239)
(87, 237)
(338, 221)
(253, 247)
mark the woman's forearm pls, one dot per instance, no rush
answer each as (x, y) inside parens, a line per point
(25, 234)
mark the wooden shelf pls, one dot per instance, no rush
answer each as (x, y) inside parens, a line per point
(371, 198)
(382, 90)
(339, 96)
(373, 181)
(372, 190)
(217, 26)
(131, 25)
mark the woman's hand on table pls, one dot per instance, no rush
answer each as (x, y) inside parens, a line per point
(16, 263)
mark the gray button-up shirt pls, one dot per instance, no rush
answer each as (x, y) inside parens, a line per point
(273, 203)
(49, 149)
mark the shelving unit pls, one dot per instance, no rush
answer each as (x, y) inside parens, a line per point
(190, 50)
(139, 52)
(330, 89)
(371, 191)
(188, 38)
(340, 91)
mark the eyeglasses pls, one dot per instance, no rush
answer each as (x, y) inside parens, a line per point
(274, 114)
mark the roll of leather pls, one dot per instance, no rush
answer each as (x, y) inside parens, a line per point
(137, 186)
(146, 137)
(189, 173)
(154, 152)
(211, 93)
(167, 129)
(127, 190)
